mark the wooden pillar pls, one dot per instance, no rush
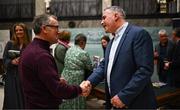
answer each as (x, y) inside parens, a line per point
(106, 3)
(40, 6)
(178, 6)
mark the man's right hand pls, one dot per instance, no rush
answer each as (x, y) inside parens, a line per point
(86, 88)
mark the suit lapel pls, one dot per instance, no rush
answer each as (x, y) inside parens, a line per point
(158, 48)
(121, 42)
(108, 49)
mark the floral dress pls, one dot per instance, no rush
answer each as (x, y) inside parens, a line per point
(77, 61)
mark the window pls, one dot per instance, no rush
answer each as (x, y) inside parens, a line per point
(76, 9)
(17, 9)
(149, 8)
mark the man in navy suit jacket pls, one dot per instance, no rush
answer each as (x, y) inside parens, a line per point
(128, 64)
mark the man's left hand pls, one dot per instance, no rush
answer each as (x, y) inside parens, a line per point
(116, 102)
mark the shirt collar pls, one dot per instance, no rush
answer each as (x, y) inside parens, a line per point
(119, 29)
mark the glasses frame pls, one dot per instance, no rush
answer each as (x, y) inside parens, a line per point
(55, 26)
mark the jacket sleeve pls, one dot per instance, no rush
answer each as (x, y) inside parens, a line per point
(47, 73)
(98, 74)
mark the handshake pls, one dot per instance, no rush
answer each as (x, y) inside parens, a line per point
(86, 88)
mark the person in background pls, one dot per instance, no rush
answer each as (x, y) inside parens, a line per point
(77, 65)
(163, 54)
(61, 48)
(42, 87)
(13, 96)
(104, 42)
(175, 64)
(127, 66)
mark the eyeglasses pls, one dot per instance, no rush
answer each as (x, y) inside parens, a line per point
(54, 26)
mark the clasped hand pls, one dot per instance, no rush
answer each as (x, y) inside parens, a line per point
(116, 102)
(86, 88)
(15, 61)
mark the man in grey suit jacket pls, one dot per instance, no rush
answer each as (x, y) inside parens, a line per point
(128, 64)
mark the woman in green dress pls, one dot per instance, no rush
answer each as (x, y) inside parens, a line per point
(77, 65)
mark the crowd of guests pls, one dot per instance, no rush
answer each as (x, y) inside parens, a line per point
(166, 54)
(35, 79)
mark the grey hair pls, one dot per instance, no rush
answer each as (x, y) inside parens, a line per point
(162, 31)
(41, 20)
(117, 9)
(80, 37)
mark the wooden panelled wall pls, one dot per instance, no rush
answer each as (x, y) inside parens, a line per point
(17, 9)
(149, 8)
(76, 9)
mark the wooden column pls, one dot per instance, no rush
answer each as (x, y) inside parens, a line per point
(106, 3)
(40, 7)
